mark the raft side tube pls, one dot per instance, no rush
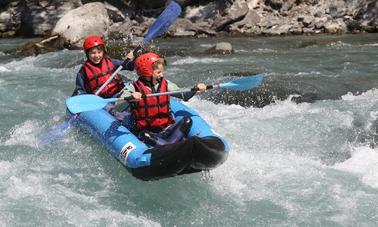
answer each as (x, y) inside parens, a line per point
(121, 143)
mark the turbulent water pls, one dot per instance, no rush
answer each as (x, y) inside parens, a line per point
(303, 145)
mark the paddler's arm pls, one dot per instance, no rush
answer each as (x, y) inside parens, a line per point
(127, 91)
(188, 95)
(183, 95)
(79, 84)
(129, 62)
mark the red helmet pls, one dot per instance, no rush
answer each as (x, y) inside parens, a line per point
(93, 41)
(143, 64)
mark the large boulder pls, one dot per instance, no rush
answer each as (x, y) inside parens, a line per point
(335, 27)
(234, 13)
(76, 25)
(184, 27)
(221, 48)
(248, 25)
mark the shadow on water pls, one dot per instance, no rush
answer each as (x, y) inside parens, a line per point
(269, 92)
(282, 87)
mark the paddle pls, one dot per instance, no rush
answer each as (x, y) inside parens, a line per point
(55, 133)
(82, 103)
(161, 24)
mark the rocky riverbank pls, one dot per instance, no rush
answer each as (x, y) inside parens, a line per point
(65, 23)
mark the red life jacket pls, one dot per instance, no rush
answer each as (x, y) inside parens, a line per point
(152, 113)
(96, 76)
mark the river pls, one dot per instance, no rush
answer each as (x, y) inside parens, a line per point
(303, 146)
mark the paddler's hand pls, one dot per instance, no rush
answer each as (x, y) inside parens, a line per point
(129, 58)
(136, 96)
(200, 87)
(130, 55)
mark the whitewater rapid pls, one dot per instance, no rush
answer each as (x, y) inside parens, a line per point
(290, 164)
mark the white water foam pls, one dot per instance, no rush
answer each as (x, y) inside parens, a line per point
(4, 69)
(241, 51)
(115, 218)
(5, 168)
(275, 155)
(339, 44)
(371, 95)
(364, 164)
(29, 177)
(264, 50)
(21, 65)
(191, 60)
(206, 45)
(304, 74)
(39, 65)
(23, 134)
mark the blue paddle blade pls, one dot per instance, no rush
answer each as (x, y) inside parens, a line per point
(244, 83)
(55, 133)
(82, 103)
(161, 24)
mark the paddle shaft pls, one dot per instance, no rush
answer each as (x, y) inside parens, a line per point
(130, 98)
(82, 103)
(237, 85)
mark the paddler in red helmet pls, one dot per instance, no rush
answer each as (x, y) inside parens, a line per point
(98, 68)
(154, 122)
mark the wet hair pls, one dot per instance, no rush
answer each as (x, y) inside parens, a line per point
(161, 61)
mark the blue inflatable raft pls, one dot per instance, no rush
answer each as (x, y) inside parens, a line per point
(202, 150)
